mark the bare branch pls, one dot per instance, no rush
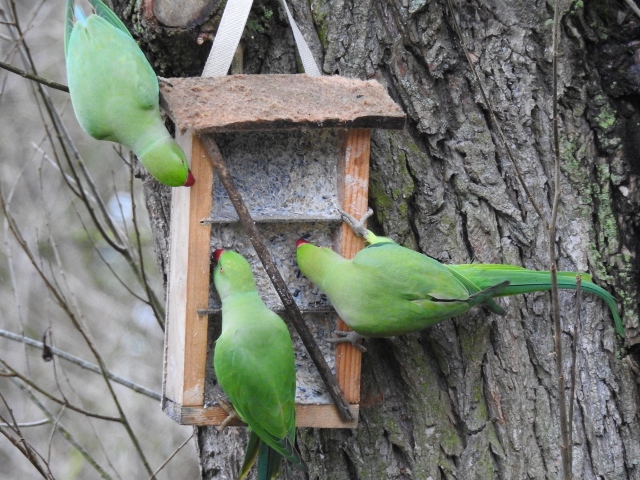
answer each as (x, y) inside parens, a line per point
(106, 263)
(63, 431)
(82, 363)
(55, 399)
(574, 353)
(35, 78)
(27, 450)
(154, 302)
(37, 423)
(80, 324)
(634, 8)
(21, 444)
(164, 464)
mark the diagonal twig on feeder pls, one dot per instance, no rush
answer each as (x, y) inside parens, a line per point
(293, 313)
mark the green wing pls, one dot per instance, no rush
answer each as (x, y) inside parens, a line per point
(256, 369)
(414, 275)
(113, 88)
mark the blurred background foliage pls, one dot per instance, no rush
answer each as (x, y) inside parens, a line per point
(103, 290)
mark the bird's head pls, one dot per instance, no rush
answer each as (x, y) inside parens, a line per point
(232, 273)
(315, 262)
(166, 161)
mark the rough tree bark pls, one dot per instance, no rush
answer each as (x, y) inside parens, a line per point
(474, 397)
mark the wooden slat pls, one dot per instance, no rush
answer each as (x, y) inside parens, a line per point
(186, 333)
(315, 416)
(353, 192)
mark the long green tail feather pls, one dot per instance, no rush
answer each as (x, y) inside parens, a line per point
(250, 455)
(269, 459)
(268, 462)
(105, 12)
(68, 24)
(522, 280)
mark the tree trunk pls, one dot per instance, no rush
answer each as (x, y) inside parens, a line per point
(476, 396)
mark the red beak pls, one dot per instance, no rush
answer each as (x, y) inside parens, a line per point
(190, 180)
(217, 253)
(301, 241)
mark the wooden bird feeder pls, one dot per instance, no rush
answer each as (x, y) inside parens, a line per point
(298, 149)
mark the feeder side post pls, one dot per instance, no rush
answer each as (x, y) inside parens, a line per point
(188, 286)
(353, 194)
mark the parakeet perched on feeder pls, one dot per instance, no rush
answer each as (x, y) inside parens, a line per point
(114, 92)
(388, 290)
(254, 364)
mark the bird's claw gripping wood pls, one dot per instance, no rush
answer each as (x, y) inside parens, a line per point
(354, 338)
(357, 225)
(231, 412)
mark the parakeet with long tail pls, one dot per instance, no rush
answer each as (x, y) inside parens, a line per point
(388, 290)
(254, 364)
(114, 92)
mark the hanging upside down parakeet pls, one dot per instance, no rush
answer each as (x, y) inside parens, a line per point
(388, 290)
(114, 92)
(254, 364)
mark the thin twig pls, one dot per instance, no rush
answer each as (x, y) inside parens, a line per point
(64, 139)
(80, 324)
(82, 363)
(634, 8)
(574, 354)
(154, 302)
(70, 182)
(37, 423)
(56, 422)
(63, 431)
(164, 464)
(565, 444)
(53, 398)
(35, 78)
(293, 313)
(25, 448)
(119, 241)
(106, 263)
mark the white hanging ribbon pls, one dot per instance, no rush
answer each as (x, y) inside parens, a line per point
(308, 62)
(234, 18)
(224, 46)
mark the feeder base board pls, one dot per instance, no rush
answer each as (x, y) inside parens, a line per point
(314, 416)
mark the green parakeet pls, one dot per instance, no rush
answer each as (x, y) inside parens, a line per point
(254, 364)
(114, 92)
(388, 290)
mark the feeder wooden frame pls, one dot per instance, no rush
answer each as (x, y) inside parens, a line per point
(189, 276)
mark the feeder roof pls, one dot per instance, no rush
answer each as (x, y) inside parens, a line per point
(270, 102)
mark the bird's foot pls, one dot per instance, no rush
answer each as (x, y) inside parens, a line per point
(165, 80)
(357, 225)
(351, 337)
(231, 412)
